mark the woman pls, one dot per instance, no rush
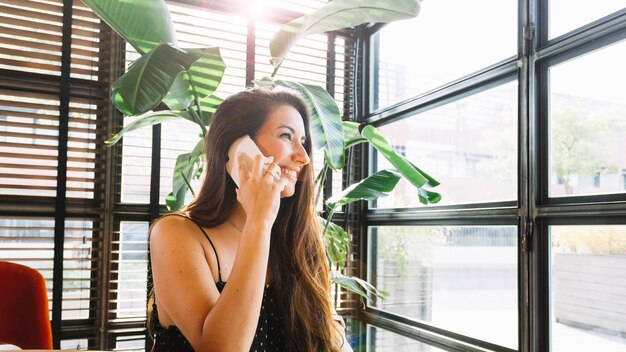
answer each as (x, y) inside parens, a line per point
(245, 268)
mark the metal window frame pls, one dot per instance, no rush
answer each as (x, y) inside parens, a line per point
(534, 211)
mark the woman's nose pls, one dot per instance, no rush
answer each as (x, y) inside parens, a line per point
(301, 156)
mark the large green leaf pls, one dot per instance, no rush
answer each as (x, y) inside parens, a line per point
(375, 186)
(209, 105)
(183, 172)
(351, 134)
(166, 70)
(326, 126)
(148, 119)
(357, 285)
(142, 23)
(206, 73)
(336, 15)
(203, 78)
(180, 95)
(409, 171)
(149, 78)
(385, 148)
(336, 241)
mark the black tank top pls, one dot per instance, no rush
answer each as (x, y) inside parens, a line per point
(269, 331)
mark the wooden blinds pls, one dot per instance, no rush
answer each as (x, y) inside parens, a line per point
(39, 195)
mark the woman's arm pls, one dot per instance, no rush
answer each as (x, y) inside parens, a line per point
(184, 283)
(341, 333)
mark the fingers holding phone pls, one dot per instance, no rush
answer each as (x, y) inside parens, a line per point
(258, 178)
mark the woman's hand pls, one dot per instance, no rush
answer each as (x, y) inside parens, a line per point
(259, 189)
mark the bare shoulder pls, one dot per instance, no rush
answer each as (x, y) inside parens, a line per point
(172, 227)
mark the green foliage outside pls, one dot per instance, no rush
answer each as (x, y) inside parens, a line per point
(402, 245)
(576, 139)
(603, 240)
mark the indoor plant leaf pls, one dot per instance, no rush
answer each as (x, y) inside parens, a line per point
(148, 119)
(409, 171)
(149, 78)
(326, 126)
(209, 105)
(336, 15)
(183, 172)
(357, 285)
(351, 134)
(180, 95)
(205, 74)
(142, 23)
(336, 241)
(373, 187)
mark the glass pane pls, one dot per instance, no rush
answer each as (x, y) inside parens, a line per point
(567, 15)
(76, 344)
(177, 137)
(305, 62)
(261, 9)
(28, 144)
(449, 39)
(136, 343)
(136, 160)
(129, 278)
(459, 278)
(79, 266)
(470, 146)
(588, 124)
(588, 286)
(83, 158)
(381, 340)
(196, 27)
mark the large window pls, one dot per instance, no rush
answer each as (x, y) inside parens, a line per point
(518, 108)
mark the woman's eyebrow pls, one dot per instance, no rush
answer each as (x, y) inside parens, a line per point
(287, 127)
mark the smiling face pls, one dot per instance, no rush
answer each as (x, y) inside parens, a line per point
(283, 137)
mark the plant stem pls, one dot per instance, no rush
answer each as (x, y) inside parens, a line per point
(196, 99)
(276, 68)
(197, 119)
(330, 217)
(188, 184)
(320, 180)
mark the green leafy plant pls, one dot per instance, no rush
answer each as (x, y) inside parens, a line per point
(168, 83)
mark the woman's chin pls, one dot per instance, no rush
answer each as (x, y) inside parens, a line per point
(288, 191)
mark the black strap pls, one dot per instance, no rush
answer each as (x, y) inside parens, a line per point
(219, 269)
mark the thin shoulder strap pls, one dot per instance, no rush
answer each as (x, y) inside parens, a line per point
(219, 269)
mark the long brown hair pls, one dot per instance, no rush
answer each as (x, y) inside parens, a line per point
(297, 262)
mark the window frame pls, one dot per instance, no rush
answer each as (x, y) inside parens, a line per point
(533, 211)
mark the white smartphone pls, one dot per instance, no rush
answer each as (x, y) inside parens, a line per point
(246, 146)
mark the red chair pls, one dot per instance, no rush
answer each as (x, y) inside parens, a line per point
(24, 317)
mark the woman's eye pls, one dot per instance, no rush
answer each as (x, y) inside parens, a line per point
(286, 135)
